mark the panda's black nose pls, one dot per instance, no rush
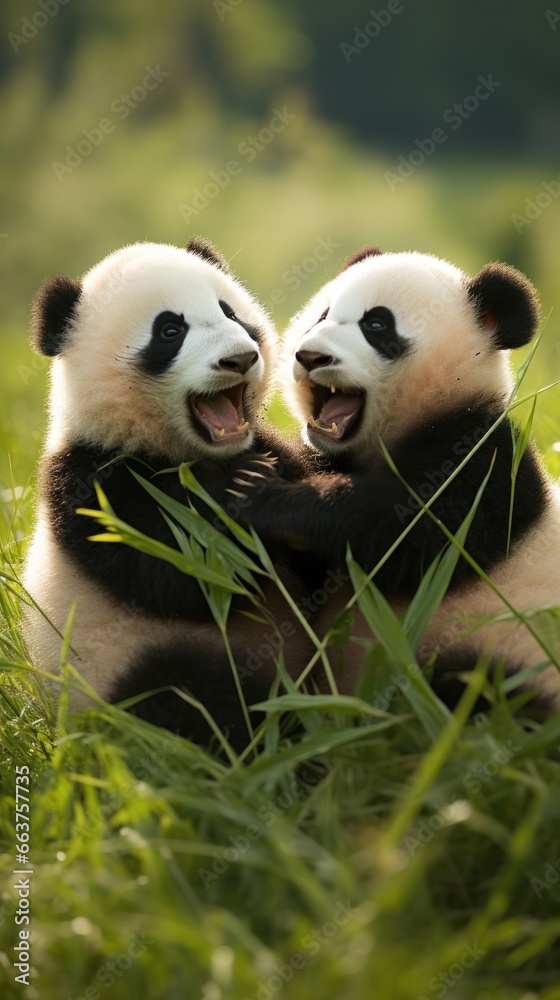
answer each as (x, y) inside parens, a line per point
(311, 360)
(239, 362)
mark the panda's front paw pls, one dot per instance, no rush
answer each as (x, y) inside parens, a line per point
(265, 504)
(254, 475)
(259, 465)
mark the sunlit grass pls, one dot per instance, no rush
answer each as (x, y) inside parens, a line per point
(398, 852)
(387, 851)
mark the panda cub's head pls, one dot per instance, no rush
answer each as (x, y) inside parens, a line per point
(157, 349)
(398, 339)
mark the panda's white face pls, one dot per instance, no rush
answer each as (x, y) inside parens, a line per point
(393, 340)
(166, 353)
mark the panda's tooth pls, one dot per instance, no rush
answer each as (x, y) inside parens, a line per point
(333, 388)
(243, 427)
(221, 432)
(311, 420)
(334, 428)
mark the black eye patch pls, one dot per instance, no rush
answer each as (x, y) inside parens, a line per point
(168, 334)
(320, 320)
(227, 310)
(379, 328)
(253, 331)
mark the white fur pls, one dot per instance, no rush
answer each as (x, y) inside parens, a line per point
(450, 358)
(529, 580)
(97, 396)
(451, 361)
(105, 636)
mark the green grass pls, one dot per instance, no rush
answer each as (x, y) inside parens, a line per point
(424, 835)
(394, 850)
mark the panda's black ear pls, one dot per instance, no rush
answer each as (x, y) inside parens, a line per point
(52, 311)
(358, 255)
(205, 248)
(506, 305)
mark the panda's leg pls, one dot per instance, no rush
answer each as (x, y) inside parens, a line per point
(445, 675)
(199, 667)
(195, 660)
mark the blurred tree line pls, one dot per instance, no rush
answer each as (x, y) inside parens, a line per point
(121, 120)
(384, 71)
(92, 156)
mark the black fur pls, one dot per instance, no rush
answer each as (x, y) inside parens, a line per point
(154, 587)
(205, 248)
(506, 304)
(52, 312)
(370, 508)
(159, 354)
(447, 683)
(253, 331)
(205, 675)
(150, 584)
(379, 328)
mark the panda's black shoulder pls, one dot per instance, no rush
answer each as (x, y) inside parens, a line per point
(68, 481)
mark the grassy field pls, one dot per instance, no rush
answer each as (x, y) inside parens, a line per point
(404, 853)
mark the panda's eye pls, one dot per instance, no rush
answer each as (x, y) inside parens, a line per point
(170, 330)
(379, 328)
(227, 310)
(373, 324)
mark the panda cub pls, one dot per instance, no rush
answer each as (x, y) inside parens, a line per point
(405, 349)
(158, 353)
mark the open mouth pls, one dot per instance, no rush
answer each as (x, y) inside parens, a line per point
(221, 415)
(336, 411)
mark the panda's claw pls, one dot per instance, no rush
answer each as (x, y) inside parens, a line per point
(236, 493)
(267, 464)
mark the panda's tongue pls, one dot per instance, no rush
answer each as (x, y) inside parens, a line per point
(220, 416)
(341, 410)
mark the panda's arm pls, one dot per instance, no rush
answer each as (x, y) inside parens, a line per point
(369, 511)
(128, 575)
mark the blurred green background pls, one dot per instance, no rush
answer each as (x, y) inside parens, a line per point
(129, 121)
(276, 129)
